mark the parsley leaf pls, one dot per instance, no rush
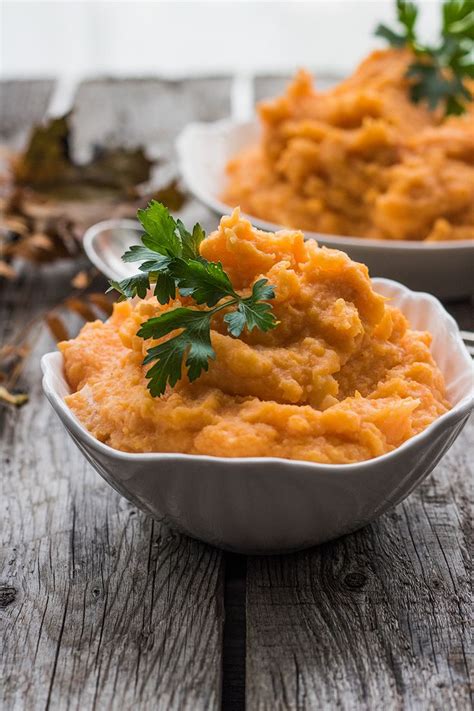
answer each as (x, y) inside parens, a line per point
(252, 312)
(206, 282)
(170, 261)
(165, 240)
(139, 253)
(160, 230)
(150, 261)
(437, 75)
(137, 285)
(191, 240)
(194, 343)
(165, 287)
(407, 14)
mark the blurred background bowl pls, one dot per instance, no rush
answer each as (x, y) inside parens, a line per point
(445, 269)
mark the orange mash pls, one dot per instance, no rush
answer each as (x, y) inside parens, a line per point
(360, 160)
(341, 379)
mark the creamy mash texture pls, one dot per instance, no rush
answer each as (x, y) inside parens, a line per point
(342, 378)
(360, 160)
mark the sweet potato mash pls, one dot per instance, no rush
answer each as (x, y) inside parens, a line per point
(360, 160)
(341, 379)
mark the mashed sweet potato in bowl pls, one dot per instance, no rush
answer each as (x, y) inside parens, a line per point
(360, 160)
(358, 167)
(294, 435)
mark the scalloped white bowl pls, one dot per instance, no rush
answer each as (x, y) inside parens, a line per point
(269, 505)
(442, 268)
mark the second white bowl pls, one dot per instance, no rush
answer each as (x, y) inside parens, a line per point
(442, 268)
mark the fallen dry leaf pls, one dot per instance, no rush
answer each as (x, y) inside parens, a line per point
(14, 224)
(57, 327)
(102, 302)
(40, 240)
(81, 280)
(170, 195)
(46, 165)
(45, 193)
(6, 270)
(80, 307)
(17, 399)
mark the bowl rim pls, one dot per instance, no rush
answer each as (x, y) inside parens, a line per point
(92, 232)
(226, 126)
(52, 361)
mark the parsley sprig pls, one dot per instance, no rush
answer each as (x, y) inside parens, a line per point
(438, 73)
(171, 265)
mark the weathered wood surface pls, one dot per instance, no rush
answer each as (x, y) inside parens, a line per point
(149, 112)
(22, 103)
(100, 607)
(463, 313)
(377, 619)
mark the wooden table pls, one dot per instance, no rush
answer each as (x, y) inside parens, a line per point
(101, 607)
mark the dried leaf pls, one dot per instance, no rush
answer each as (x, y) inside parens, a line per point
(119, 168)
(47, 166)
(57, 327)
(14, 224)
(80, 307)
(10, 352)
(81, 280)
(45, 194)
(6, 270)
(102, 302)
(46, 158)
(17, 399)
(39, 240)
(171, 195)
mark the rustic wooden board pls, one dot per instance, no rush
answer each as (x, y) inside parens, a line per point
(376, 619)
(149, 112)
(103, 606)
(22, 103)
(463, 312)
(100, 606)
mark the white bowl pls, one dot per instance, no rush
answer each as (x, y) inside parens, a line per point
(269, 505)
(442, 268)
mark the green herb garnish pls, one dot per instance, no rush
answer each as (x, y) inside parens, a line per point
(171, 264)
(438, 73)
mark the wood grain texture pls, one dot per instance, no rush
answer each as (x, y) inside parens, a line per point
(22, 103)
(463, 313)
(149, 112)
(376, 619)
(100, 607)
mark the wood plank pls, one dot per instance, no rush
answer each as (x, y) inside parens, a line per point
(463, 313)
(149, 112)
(376, 619)
(101, 607)
(22, 103)
(233, 658)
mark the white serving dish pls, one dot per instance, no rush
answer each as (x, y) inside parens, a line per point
(445, 269)
(270, 505)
